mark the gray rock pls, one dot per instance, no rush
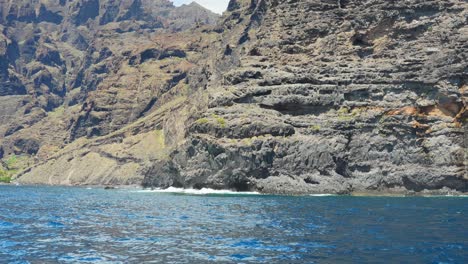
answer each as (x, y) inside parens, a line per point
(332, 97)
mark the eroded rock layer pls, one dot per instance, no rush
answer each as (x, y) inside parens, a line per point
(303, 96)
(317, 96)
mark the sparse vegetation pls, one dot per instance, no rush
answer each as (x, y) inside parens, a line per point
(4, 176)
(383, 119)
(177, 101)
(202, 121)
(344, 114)
(5, 179)
(343, 111)
(11, 166)
(346, 118)
(358, 111)
(57, 112)
(247, 141)
(160, 138)
(11, 161)
(315, 128)
(220, 121)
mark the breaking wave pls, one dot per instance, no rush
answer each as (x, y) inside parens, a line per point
(203, 191)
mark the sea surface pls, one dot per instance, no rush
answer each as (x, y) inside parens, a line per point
(80, 225)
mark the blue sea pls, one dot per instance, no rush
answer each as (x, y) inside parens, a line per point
(80, 225)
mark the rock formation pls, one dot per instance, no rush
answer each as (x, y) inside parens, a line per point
(332, 97)
(72, 71)
(308, 96)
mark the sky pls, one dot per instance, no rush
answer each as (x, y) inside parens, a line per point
(217, 6)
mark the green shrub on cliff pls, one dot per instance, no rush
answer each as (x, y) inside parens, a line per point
(344, 115)
(315, 128)
(11, 166)
(57, 112)
(214, 120)
(202, 121)
(221, 121)
(160, 139)
(11, 161)
(4, 177)
(342, 111)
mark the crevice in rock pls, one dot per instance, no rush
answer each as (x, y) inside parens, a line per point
(411, 185)
(297, 109)
(119, 160)
(13, 129)
(89, 10)
(110, 14)
(29, 146)
(48, 16)
(176, 79)
(342, 167)
(361, 168)
(241, 186)
(244, 38)
(360, 39)
(133, 11)
(156, 54)
(343, 3)
(358, 95)
(311, 181)
(363, 53)
(228, 50)
(148, 107)
(451, 182)
(250, 98)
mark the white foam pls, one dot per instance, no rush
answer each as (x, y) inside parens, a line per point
(204, 191)
(456, 195)
(322, 195)
(447, 195)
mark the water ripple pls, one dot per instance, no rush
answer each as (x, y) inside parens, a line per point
(79, 225)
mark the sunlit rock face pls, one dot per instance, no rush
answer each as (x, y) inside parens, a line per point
(82, 69)
(331, 96)
(308, 96)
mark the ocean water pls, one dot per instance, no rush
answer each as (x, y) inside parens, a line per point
(79, 225)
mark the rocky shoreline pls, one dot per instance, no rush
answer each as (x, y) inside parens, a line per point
(206, 191)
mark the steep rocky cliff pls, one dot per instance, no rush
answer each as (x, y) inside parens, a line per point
(71, 71)
(332, 97)
(308, 96)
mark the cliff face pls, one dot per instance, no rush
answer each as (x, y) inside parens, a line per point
(78, 70)
(332, 97)
(308, 96)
